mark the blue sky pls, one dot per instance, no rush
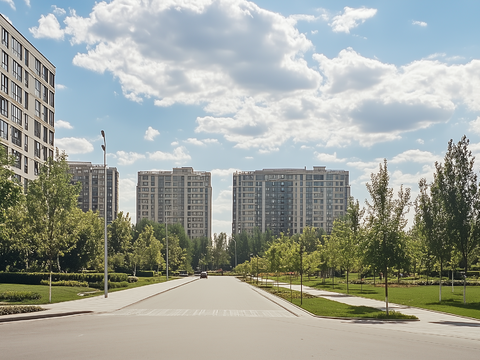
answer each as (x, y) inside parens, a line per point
(238, 85)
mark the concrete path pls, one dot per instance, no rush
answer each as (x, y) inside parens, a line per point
(99, 304)
(430, 322)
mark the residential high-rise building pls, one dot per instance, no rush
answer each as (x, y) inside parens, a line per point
(92, 194)
(287, 200)
(182, 196)
(27, 103)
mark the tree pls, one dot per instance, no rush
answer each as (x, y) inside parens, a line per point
(10, 190)
(120, 234)
(51, 202)
(429, 212)
(219, 250)
(386, 220)
(458, 192)
(152, 254)
(346, 247)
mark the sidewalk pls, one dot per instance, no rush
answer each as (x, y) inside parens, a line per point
(430, 322)
(99, 304)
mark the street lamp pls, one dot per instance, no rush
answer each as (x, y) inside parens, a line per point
(166, 238)
(105, 276)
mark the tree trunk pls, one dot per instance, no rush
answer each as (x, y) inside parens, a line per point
(347, 281)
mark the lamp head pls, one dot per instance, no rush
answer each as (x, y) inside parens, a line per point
(103, 134)
(103, 147)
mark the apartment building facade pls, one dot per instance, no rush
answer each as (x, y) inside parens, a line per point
(181, 196)
(27, 103)
(287, 200)
(92, 194)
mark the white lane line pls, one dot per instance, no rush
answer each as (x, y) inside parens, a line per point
(202, 312)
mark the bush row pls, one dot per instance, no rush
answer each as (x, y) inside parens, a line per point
(65, 283)
(36, 278)
(18, 309)
(111, 285)
(19, 295)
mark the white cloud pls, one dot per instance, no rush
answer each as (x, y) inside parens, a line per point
(203, 142)
(420, 141)
(73, 145)
(127, 187)
(58, 11)
(313, 32)
(328, 158)
(151, 133)
(27, 2)
(419, 23)
(223, 202)
(60, 87)
(351, 18)
(48, 27)
(475, 125)
(303, 17)
(224, 172)
(9, 2)
(62, 124)
(127, 158)
(415, 156)
(249, 157)
(175, 143)
(178, 155)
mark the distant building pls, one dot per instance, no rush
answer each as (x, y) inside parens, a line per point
(182, 196)
(27, 103)
(92, 195)
(287, 200)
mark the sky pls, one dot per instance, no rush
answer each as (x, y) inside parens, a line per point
(233, 85)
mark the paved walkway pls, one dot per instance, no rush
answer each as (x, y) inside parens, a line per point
(99, 304)
(430, 322)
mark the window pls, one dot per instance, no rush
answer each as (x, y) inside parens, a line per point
(25, 165)
(38, 89)
(4, 84)
(45, 152)
(16, 92)
(5, 37)
(3, 130)
(25, 143)
(5, 60)
(52, 79)
(37, 149)
(16, 136)
(37, 108)
(18, 159)
(26, 79)
(16, 115)
(36, 167)
(51, 117)
(38, 66)
(3, 106)
(45, 134)
(52, 99)
(45, 114)
(26, 122)
(50, 137)
(45, 73)
(26, 100)
(45, 94)
(26, 57)
(17, 71)
(16, 48)
(37, 129)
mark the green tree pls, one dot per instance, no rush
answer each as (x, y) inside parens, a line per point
(458, 192)
(120, 234)
(219, 250)
(152, 254)
(10, 190)
(51, 202)
(386, 220)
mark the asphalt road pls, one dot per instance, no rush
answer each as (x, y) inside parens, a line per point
(219, 318)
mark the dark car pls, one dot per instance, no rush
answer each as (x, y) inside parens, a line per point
(203, 275)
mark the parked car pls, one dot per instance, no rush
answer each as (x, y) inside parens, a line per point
(183, 273)
(203, 275)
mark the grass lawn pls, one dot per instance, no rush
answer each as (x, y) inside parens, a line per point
(425, 297)
(324, 307)
(67, 293)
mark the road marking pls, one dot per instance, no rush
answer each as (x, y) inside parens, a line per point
(202, 312)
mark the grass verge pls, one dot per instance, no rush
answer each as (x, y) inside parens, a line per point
(323, 307)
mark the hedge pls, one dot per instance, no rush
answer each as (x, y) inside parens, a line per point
(18, 309)
(36, 278)
(19, 295)
(145, 273)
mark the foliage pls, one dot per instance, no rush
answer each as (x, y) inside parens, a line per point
(19, 295)
(65, 283)
(18, 309)
(36, 278)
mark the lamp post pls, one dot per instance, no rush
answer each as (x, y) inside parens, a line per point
(166, 238)
(105, 276)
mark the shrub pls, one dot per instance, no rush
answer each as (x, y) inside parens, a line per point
(111, 285)
(145, 273)
(19, 295)
(36, 278)
(65, 283)
(18, 309)
(132, 279)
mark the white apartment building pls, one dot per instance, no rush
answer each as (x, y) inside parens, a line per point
(92, 194)
(27, 103)
(287, 200)
(182, 196)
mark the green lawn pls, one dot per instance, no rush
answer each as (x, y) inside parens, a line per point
(324, 307)
(67, 293)
(425, 297)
